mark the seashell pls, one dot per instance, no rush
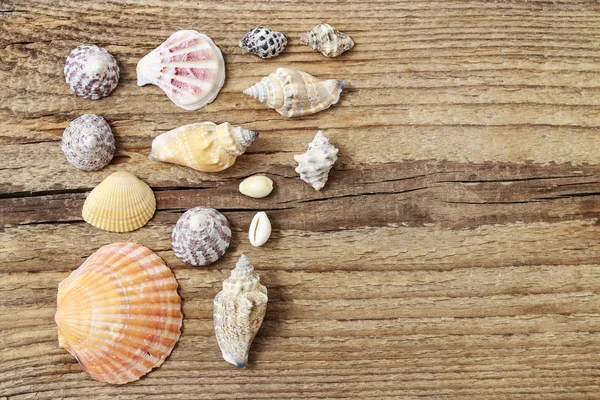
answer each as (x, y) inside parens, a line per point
(329, 41)
(91, 72)
(201, 236)
(88, 143)
(188, 67)
(119, 313)
(260, 229)
(263, 42)
(204, 146)
(293, 93)
(239, 311)
(120, 203)
(257, 186)
(315, 164)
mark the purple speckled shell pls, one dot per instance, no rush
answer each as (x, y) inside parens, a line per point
(88, 143)
(91, 72)
(201, 236)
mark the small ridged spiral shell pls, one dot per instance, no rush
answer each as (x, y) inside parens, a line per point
(315, 164)
(91, 72)
(188, 67)
(239, 310)
(88, 143)
(201, 236)
(328, 40)
(263, 42)
(119, 313)
(294, 93)
(120, 203)
(204, 146)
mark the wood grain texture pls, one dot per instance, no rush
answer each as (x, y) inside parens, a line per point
(454, 254)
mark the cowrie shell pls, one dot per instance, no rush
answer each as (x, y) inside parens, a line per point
(260, 229)
(257, 186)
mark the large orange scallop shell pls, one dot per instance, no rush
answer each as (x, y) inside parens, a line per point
(119, 313)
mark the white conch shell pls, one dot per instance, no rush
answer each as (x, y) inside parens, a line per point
(260, 229)
(293, 93)
(257, 186)
(188, 67)
(205, 146)
(328, 40)
(315, 164)
(239, 310)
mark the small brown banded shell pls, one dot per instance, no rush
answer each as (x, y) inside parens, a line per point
(91, 72)
(88, 143)
(201, 236)
(263, 42)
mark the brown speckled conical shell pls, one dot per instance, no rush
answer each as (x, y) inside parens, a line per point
(88, 143)
(119, 313)
(201, 236)
(91, 72)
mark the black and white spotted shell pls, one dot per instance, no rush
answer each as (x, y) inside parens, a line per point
(88, 143)
(91, 72)
(263, 42)
(201, 236)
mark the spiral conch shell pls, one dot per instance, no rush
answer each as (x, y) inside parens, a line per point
(119, 313)
(120, 203)
(315, 164)
(293, 93)
(201, 236)
(88, 143)
(204, 146)
(91, 72)
(188, 67)
(239, 311)
(329, 41)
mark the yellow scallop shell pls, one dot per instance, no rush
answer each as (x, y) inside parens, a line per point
(120, 203)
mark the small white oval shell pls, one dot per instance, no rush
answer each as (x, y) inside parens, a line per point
(257, 186)
(260, 229)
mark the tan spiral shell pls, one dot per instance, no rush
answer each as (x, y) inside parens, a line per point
(204, 146)
(119, 313)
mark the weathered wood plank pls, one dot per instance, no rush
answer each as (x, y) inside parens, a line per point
(453, 254)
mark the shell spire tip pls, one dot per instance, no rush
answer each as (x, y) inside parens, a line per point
(243, 262)
(245, 137)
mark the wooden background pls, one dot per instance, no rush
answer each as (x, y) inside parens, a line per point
(454, 254)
